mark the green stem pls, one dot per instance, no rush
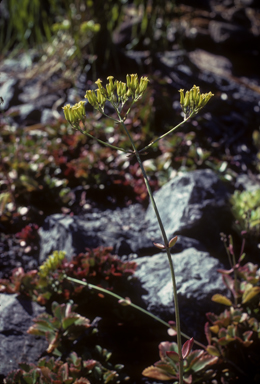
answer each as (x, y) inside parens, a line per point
(167, 133)
(103, 142)
(103, 290)
(177, 314)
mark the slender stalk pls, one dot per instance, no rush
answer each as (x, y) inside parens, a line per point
(177, 314)
(103, 142)
(103, 290)
(167, 133)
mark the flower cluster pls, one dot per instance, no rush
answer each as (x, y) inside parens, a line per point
(193, 100)
(117, 92)
(76, 113)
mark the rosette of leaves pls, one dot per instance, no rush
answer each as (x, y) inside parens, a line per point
(63, 325)
(75, 370)
(246, 211)
(196, 364)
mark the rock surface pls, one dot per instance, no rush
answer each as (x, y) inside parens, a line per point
(195, 205)
(15, 344)
(197, 280)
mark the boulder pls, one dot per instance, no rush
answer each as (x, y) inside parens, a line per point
(194, 205)
(119, 228)
(15, 344)
(197, 280)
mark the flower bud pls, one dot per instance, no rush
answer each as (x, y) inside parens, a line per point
(143, 84)
(181, 97)
(128, 81)
(187, 99)
(92, 98)
(101, 88)
(67, 112)
(100, 98)
(135, 82)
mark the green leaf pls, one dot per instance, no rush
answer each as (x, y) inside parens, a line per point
(221, 299)
(70, 320)
(174, 356)
(108, 376)
(249, 294)
(83, 321)
(213, 351)
(57, 310)
(173, 241)
(157, 373)
(203, 362)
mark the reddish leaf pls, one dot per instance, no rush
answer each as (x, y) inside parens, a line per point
(89, 364)
(187, 346)
(157, 373)
(225, 272)
(229, 282)
(207, 332)
(159, 245)
(187, 380)
(166, 346)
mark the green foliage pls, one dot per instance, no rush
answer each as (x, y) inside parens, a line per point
(196, 365)
(98, 266)
(246, 210)
(64, 324)
(41, 165)
(51, 264)
(234, 335)
(81, 26)
(75, 370)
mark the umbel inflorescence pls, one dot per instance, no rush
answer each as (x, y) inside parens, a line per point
(118, 93)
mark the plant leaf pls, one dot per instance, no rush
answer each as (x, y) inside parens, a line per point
(187, 346)
(166, 346)
(157, 373)
(203, 362)
(173, 241)
(159, 245)
(213, 351)
(221, 299)
(174, 356)
(207, 332)
(249, 294)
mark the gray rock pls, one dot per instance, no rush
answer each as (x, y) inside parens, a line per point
(25, 113)
(120, 229)
(227, 33)
(197, 280)
(247, 182)
(15, 344)
(7, 90)
(194, 205)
